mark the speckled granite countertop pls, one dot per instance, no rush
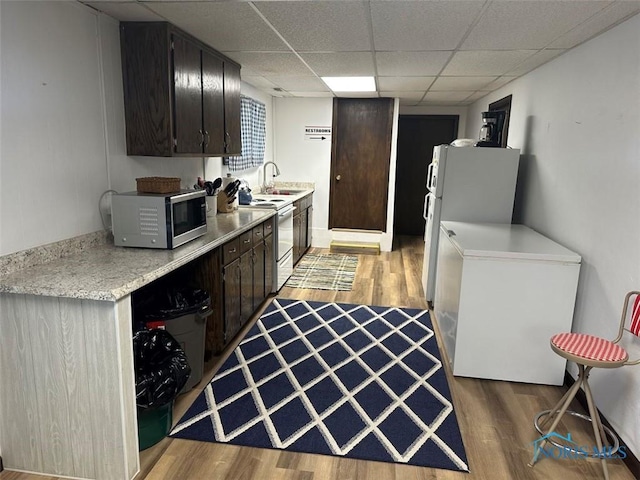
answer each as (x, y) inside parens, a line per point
(106, 272)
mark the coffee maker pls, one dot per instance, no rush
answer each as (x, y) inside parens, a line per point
(492, 128)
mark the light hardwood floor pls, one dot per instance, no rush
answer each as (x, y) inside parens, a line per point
(495, 417)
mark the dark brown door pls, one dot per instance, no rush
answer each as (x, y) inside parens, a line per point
(360, 152)
(232, 108)
(212, 103)
(187, 96)
(417, 135)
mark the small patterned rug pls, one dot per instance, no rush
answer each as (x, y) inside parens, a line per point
(336, 379)
(324, 271)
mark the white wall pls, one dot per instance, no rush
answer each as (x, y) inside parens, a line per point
(576, 120)
(302, 160)
(52, 157)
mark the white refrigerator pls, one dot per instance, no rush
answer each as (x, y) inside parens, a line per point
(502, 292)
(465, 184)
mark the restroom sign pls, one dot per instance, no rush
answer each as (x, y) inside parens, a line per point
(317, 133)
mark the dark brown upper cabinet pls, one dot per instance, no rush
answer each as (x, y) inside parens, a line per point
(182, 98)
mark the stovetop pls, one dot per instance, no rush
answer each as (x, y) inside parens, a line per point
(268, 201)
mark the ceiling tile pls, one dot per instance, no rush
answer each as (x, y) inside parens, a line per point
(392, 64)
(312, 94)
(258, 81)
(460, 83)
(300, 84)
(270, 64)
(534, 61)
(499, 82)
(230, 26)
(340, 63)
(414, 26)
(475, 96)
(405, 84)
(126, 11)
(357, 94)
(411, 96)
(524, 25)
(329, 26)
(595, 25)
(447, 96)
(485, 62)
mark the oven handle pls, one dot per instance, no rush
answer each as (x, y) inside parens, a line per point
(285, 212)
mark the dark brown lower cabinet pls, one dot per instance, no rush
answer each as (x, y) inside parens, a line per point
(269, 261)
(246, 286)
(232, 302)
(238, 276)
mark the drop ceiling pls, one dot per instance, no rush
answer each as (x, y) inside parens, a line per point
(425, 52)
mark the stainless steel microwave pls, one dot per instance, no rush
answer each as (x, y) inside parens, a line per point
(154, 220)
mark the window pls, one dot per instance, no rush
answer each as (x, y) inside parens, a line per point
(252, 131)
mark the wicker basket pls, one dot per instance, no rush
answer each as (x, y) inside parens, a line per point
(158, 184)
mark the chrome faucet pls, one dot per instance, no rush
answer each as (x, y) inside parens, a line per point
(265, 188)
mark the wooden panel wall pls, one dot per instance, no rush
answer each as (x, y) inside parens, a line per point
(67, 402)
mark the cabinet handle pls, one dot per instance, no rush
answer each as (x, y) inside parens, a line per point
(201, 137)
(207, 138)
(233, 250)
(248, 240)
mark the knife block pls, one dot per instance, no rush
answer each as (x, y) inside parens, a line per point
(223, 203)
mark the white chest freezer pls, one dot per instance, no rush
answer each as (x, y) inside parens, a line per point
(502, 291)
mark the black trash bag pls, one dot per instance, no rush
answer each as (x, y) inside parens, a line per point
(161, 367)
(166, 304)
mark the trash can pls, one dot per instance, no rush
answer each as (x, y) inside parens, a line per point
(161, 370)
(183, 313)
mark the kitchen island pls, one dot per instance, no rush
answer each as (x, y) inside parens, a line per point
(67, 402)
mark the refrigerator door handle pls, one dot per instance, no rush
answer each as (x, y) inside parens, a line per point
(424, 207)
(429, 173)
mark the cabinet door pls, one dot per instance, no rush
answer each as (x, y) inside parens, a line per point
(258, 274)
(187, 96)
(303, 231)
(297, 251)
(246, 286)
(269, 261)
(232, 308)
(212, 103)
(309, 227)
(233, 143)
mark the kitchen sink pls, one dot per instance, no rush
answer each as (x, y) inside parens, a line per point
(286, 191)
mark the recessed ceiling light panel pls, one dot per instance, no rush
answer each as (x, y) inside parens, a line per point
(350, 84)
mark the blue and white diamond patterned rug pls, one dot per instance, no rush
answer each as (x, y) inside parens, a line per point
(337, 379)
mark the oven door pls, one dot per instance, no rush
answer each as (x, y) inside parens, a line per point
(285, 231)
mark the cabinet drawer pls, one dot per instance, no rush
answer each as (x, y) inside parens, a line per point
(245, 241)
(268, 227)
(230, 251)
(258, 234)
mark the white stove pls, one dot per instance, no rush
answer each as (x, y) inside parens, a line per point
(283, 235)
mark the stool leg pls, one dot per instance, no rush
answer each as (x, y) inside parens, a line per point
(565, 401)
(556, 409)
(598, 431)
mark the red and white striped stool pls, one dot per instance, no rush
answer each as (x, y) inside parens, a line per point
(589, 351)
